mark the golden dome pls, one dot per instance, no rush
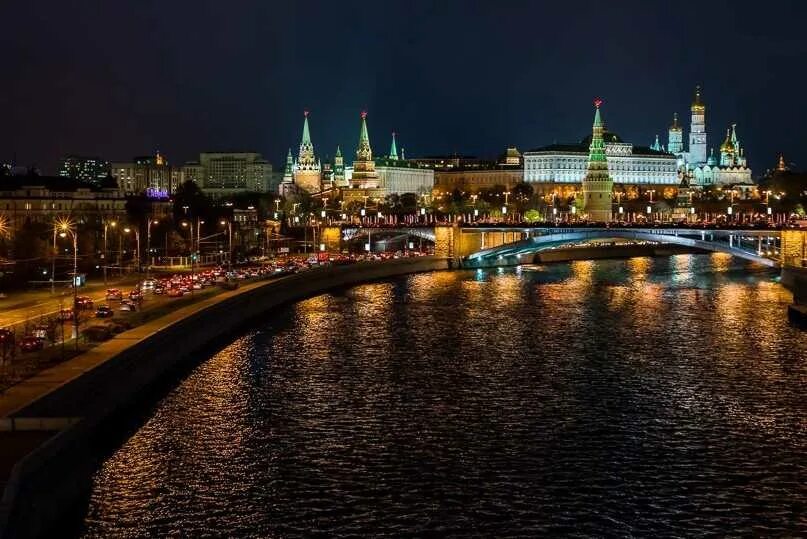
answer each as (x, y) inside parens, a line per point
(697, 104)
(727, 146)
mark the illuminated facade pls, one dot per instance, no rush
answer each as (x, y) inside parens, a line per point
(42, 199)
(732, 166)
(88, 170)
(627, 163)
(149, 175)
(393, 175)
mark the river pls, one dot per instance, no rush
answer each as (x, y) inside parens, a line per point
(662, 397)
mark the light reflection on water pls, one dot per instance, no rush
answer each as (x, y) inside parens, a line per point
(645, 396)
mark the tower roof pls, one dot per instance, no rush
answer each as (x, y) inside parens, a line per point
(675, 126)
(596, 152)
(338, 151)
(697, 103)
(363, 136)
(393, 149)
(597, 118)
(289, 162)
(364, 152)
(306, 134)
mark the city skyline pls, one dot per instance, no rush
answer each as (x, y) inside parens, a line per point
(430, 82)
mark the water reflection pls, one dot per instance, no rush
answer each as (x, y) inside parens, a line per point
(637, 397)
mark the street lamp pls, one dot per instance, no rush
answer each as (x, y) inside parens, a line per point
(229, 225)
(59, 226)
(137, 249)
(65, 230)
(189, 226)
(148, 244)
(107, 224)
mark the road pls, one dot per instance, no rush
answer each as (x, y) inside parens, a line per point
(21, 306)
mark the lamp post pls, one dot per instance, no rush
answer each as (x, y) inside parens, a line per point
(60, 226)
(53, 263)
(148, 245)
(137, 246)
(107, 224)
(186, 224)
(64, 228)
(229, 225)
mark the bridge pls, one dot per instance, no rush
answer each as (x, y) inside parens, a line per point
(760, 246)
(484, 245)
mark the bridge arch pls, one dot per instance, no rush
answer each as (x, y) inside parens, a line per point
(749, 245)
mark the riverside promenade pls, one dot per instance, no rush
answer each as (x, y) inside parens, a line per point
(53, 424)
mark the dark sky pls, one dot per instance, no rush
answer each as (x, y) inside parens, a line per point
(123, 78)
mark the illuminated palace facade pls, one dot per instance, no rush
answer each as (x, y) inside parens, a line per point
(565, 164)
(560, 166)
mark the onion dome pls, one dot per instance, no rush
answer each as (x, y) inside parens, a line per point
(727, 146)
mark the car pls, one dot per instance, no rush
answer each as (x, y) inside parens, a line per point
(127, 305)
(174, 293)
(6, 336)
(65, 314)
(113, 294)
(159, 290)
(148, 284)
(29, 343)
(41, 332)
(135, 295)
(104, 311)
(84, 302)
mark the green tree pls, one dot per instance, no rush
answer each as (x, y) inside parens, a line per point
(532, 216)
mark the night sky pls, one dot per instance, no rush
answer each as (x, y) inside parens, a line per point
(124, 78)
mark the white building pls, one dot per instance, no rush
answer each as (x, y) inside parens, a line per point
(628, 164)
(399, 177)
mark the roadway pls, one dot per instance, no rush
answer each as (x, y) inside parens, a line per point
(19, 307)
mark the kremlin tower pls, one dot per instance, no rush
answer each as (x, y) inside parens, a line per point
(364, 174)
(339, 169)
(307, 172)
(597, 184)
(675, 137)
(697, 130)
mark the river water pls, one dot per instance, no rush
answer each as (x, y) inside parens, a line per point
(625, 397)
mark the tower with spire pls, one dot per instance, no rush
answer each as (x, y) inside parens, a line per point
(339, 168)
(393, 149)
(364, 173)
(675, 137)
(697, 130)
(597, 183)
(307, 171)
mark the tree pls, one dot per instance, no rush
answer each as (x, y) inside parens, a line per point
(189, 196)
(532, 216)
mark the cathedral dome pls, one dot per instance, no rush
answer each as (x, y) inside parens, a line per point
(727, 146)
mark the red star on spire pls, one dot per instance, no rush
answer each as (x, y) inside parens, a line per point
(363, 114)
(597, 102)
(305, 113)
